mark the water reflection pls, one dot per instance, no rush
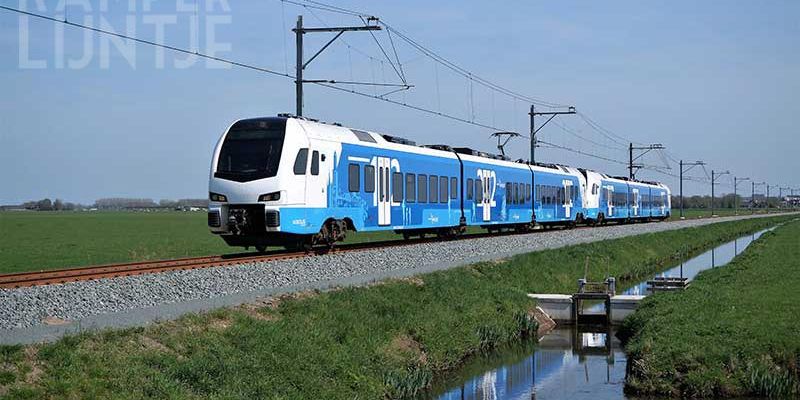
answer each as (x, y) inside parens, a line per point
(569, 362)
(713, 258)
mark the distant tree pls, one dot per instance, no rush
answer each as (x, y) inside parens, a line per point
(167, 203)
(44, 205)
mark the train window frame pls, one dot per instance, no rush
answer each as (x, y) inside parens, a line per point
(315, 163)
(354, 179)
(300, 169)
(470, 189)
(397, 187)
(422, 188)
(444, 189)
(411, 188)
(369, 179)
(433, 188)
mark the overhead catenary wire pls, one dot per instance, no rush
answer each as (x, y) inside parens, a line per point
(605, 132)
(148, 42)
(251, 67)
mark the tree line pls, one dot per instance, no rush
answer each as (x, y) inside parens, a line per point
(114, 203)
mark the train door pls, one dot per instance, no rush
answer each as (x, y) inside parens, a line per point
(567, 198)
(384, 196)
(609, 190)
(635, 202)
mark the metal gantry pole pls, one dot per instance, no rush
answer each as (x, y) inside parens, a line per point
(298, 82)
(736, 193)
(713, 183)
(690, 165)
(681, 185)
(534, 130)
(299, 31)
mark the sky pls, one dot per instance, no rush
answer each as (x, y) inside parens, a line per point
(84, 117)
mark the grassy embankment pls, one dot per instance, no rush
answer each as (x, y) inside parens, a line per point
(389, 339)
(31, 241)
(735, 332)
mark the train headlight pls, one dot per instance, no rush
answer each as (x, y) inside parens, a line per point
(217, 197)
(274, 196)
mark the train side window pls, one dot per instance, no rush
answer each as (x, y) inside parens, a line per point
(453, 188)
(315, 163)
(479, 190)
(411, 188)
(443, 189)
(422, 188)
(397, 187)
(470, 189)
(509, 194)
(527, 192)
(353, 177)
(433, 193)
(369, 179)
(300, 162)
(517, 198)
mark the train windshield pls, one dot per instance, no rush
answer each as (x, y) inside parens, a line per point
(251, 150)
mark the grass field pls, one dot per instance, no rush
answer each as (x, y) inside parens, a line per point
(384, 340)
(734, 333)
(31, 241)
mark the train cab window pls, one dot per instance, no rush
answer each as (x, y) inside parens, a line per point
(478, 190)
(397, 187)
(433, 193)
(411, 188)
(369, 179)
(453, 188)
(353, 177)
(300, 162)
(527, 192)
(315, 163)
(443, 189)
(470, 189)
(422, 188)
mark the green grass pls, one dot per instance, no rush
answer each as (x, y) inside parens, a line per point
(384, 340)
(47, 240)
(31, 241)
(734, 332)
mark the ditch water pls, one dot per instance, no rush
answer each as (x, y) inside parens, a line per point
(571, 362)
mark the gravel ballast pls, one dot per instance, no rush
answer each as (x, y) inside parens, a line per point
(28, 314)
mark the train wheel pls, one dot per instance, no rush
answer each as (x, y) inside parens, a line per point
(261, 248)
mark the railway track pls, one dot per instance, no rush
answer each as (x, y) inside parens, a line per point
(56, 276)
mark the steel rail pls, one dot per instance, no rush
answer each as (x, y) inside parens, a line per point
(57, 276)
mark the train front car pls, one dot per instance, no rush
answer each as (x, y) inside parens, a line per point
(248, 181)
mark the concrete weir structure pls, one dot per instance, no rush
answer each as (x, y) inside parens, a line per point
(561, 307)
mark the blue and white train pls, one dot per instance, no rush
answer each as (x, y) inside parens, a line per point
(296, 182)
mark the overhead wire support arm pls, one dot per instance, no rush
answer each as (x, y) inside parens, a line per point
(632, 168)
(299, 31)
(533, 114)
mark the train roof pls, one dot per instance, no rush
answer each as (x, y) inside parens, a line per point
(337, 131)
